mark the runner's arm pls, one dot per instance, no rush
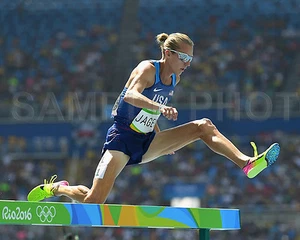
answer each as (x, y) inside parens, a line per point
(144, 77)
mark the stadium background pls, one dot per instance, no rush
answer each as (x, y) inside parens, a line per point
(62, 64)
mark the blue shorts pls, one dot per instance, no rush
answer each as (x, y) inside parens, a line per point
(122, 138)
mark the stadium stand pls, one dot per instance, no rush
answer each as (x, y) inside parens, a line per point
(51, 49)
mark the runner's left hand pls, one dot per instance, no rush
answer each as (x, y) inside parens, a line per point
(169, 112)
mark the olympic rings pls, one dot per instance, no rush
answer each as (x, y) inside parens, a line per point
(46, 213)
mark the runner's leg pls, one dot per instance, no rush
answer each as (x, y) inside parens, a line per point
(173, 139)
(109, 167)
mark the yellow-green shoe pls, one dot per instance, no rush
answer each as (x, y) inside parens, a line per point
(262, 161)
(45, 190)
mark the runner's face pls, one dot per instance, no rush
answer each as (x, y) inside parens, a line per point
(180, 58)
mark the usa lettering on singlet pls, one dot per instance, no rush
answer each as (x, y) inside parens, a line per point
(146, 119)
(143, 120)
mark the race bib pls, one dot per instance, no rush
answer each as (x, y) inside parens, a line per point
(145, 121)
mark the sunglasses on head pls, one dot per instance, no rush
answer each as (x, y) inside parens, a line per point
(182, 56)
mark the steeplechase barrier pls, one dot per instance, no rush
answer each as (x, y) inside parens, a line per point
(113, 215)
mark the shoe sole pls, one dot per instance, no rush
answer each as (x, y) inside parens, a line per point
(273, 154)
(38, 194)
(270, 158)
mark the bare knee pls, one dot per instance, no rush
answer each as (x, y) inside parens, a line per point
(204, 127)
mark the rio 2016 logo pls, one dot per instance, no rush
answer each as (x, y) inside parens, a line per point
(16, 214)
(45, 213)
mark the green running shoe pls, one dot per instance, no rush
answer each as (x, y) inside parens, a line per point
(45, 190)
(262, 161)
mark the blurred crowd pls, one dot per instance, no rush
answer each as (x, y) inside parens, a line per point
(235, 51)
(240, 46)
(63, 50)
